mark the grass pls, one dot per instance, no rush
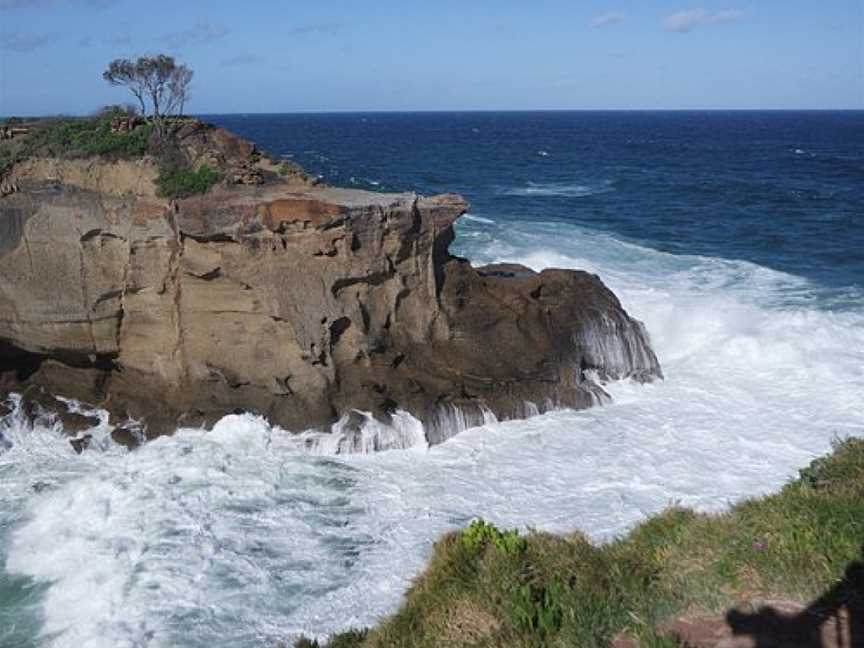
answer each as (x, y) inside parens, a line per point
(76, 138)
(485, 587)
(182, 182)
(89, 138)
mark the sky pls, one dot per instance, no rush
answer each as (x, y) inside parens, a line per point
(332, 55)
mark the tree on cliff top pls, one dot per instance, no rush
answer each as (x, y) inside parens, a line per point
(159, 79)
(178, 88)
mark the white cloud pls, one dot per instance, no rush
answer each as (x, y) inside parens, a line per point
(685, 21)
(611, 18)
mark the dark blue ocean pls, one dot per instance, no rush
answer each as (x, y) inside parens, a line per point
(737, 238)
(784, 190)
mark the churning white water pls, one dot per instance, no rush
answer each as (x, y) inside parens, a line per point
(244, 535)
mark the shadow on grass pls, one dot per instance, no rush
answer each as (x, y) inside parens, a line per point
(834, 620)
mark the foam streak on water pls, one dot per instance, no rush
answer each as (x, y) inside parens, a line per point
(239, 537)
(559, 189)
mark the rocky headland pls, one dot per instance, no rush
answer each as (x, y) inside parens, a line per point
(271, 293)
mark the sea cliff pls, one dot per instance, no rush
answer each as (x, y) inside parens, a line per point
(308, 304)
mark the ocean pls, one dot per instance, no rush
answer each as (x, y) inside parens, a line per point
(736, 237)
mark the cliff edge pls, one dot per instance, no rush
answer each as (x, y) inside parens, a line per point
(270, 293)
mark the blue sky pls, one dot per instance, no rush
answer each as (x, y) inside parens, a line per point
(284, 56)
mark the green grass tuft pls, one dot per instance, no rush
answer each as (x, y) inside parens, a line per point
(480, 534)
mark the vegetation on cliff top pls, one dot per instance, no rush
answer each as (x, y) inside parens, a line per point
(484, 587)
(78, 138)
(116, 132)
(192, 156)
(121, 132)
(180, 182)
(113, 135)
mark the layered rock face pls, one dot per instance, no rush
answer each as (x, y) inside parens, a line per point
(300, 302)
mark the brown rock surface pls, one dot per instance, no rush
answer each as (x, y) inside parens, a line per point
(295, 301)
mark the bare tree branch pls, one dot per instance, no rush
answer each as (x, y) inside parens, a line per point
(156, 78)
(123, 72)
(178, 89)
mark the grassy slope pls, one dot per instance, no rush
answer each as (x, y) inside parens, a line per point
(485, 588)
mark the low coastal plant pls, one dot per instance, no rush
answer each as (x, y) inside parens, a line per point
(182, 182)
(89, 137)
(485, 587)
(77, 138)
(99, 137)
(8, 158)
(480, 533)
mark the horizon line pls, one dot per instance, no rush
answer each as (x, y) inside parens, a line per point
(360, 111)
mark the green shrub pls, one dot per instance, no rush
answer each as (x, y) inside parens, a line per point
(182, 182)
(481, 533)
(133, 144)
(8, 158)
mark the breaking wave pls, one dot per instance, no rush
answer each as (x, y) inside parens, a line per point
(247, 535)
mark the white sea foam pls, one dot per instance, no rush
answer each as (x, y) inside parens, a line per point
(240, 537)
(365, 436)
(563, 189)
(477, 219)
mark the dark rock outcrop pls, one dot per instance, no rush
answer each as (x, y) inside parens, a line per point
(299, 302)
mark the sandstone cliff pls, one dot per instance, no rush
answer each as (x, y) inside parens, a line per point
(304, 303)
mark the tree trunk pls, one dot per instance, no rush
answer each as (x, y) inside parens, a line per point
(154, 97)
(140, 98)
